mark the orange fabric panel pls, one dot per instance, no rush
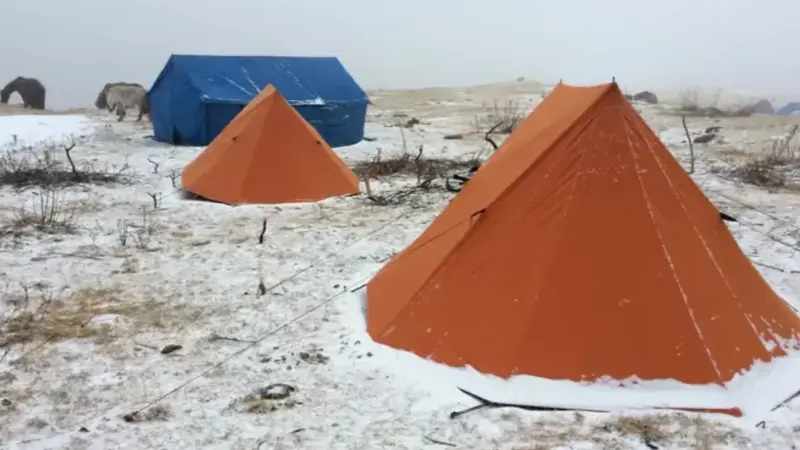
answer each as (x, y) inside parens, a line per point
(268, 154)
(592, 254)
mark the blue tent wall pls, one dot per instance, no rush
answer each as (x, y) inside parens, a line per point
(789, 109)
(195, 96)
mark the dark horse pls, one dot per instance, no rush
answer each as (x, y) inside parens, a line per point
(31, 90)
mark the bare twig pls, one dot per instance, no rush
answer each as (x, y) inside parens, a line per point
(691, 146)
(216, 337)
(487, 136)
(263, 231)
(155, 164)
(67, 150)
(173, 175)
(419, 164)
(155, 197)
(439, 442)
(146, 346)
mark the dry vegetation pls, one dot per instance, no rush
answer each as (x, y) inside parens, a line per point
(22, 167)
(619, 432)
(771, 168)
(37, 314)
(501, 119)
(690, 107)
(50, 210)
(425, 171)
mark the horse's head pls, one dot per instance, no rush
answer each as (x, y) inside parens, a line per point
(10, 88)
(101, 101)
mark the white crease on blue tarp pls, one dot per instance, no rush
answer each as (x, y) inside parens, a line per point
(318, 101)
(252, 83)
(240, 87)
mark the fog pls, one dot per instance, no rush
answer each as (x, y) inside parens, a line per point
(74, 47)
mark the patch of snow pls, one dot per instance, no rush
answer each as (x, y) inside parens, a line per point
(313, 102)
(34, 129)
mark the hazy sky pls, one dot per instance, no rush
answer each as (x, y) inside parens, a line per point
(75, 46)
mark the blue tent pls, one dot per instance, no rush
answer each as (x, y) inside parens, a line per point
(196, 96)
(789, 109)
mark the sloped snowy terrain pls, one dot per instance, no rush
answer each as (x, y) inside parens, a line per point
(144, 268)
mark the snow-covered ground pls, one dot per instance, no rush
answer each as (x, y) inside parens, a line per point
(38, 129)
(134, 277)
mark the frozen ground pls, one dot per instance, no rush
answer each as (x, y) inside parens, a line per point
(133, 278)
(22, 130)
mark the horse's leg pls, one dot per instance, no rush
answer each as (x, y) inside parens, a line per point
(120, 111)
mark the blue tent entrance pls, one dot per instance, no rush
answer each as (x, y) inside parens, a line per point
(196, 96)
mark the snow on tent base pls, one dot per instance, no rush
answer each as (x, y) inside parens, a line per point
(751, 394)
(583, 251)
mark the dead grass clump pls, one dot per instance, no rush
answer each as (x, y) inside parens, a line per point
(155, 413)
(38, 314)
(269, 399)
(638, 426)
(25, 167)
(665, 430)
(770, 168)
(673, 428)
(48, 212)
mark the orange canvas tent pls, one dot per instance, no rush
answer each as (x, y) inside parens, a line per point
(583, 251)
(268, 154)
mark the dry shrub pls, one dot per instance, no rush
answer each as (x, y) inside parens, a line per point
(690, 107)
(28, 166)
(38, 314)
(769, 169)
(405, 163)
(48, 212)
(502, 119)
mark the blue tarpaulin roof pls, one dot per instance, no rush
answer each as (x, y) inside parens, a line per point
(237, 79)
(789, 109)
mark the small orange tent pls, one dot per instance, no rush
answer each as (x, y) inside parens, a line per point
(581, 251)
(268, 154)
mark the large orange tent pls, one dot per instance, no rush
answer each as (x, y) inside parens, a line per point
(268, 154)
(583, 251)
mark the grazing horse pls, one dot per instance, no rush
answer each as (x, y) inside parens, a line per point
(31, 90)
(117, 97)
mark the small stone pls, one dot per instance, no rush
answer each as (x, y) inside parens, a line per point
(170, 348)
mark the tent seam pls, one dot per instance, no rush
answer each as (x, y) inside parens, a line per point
(705, 244)
(665, 251)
